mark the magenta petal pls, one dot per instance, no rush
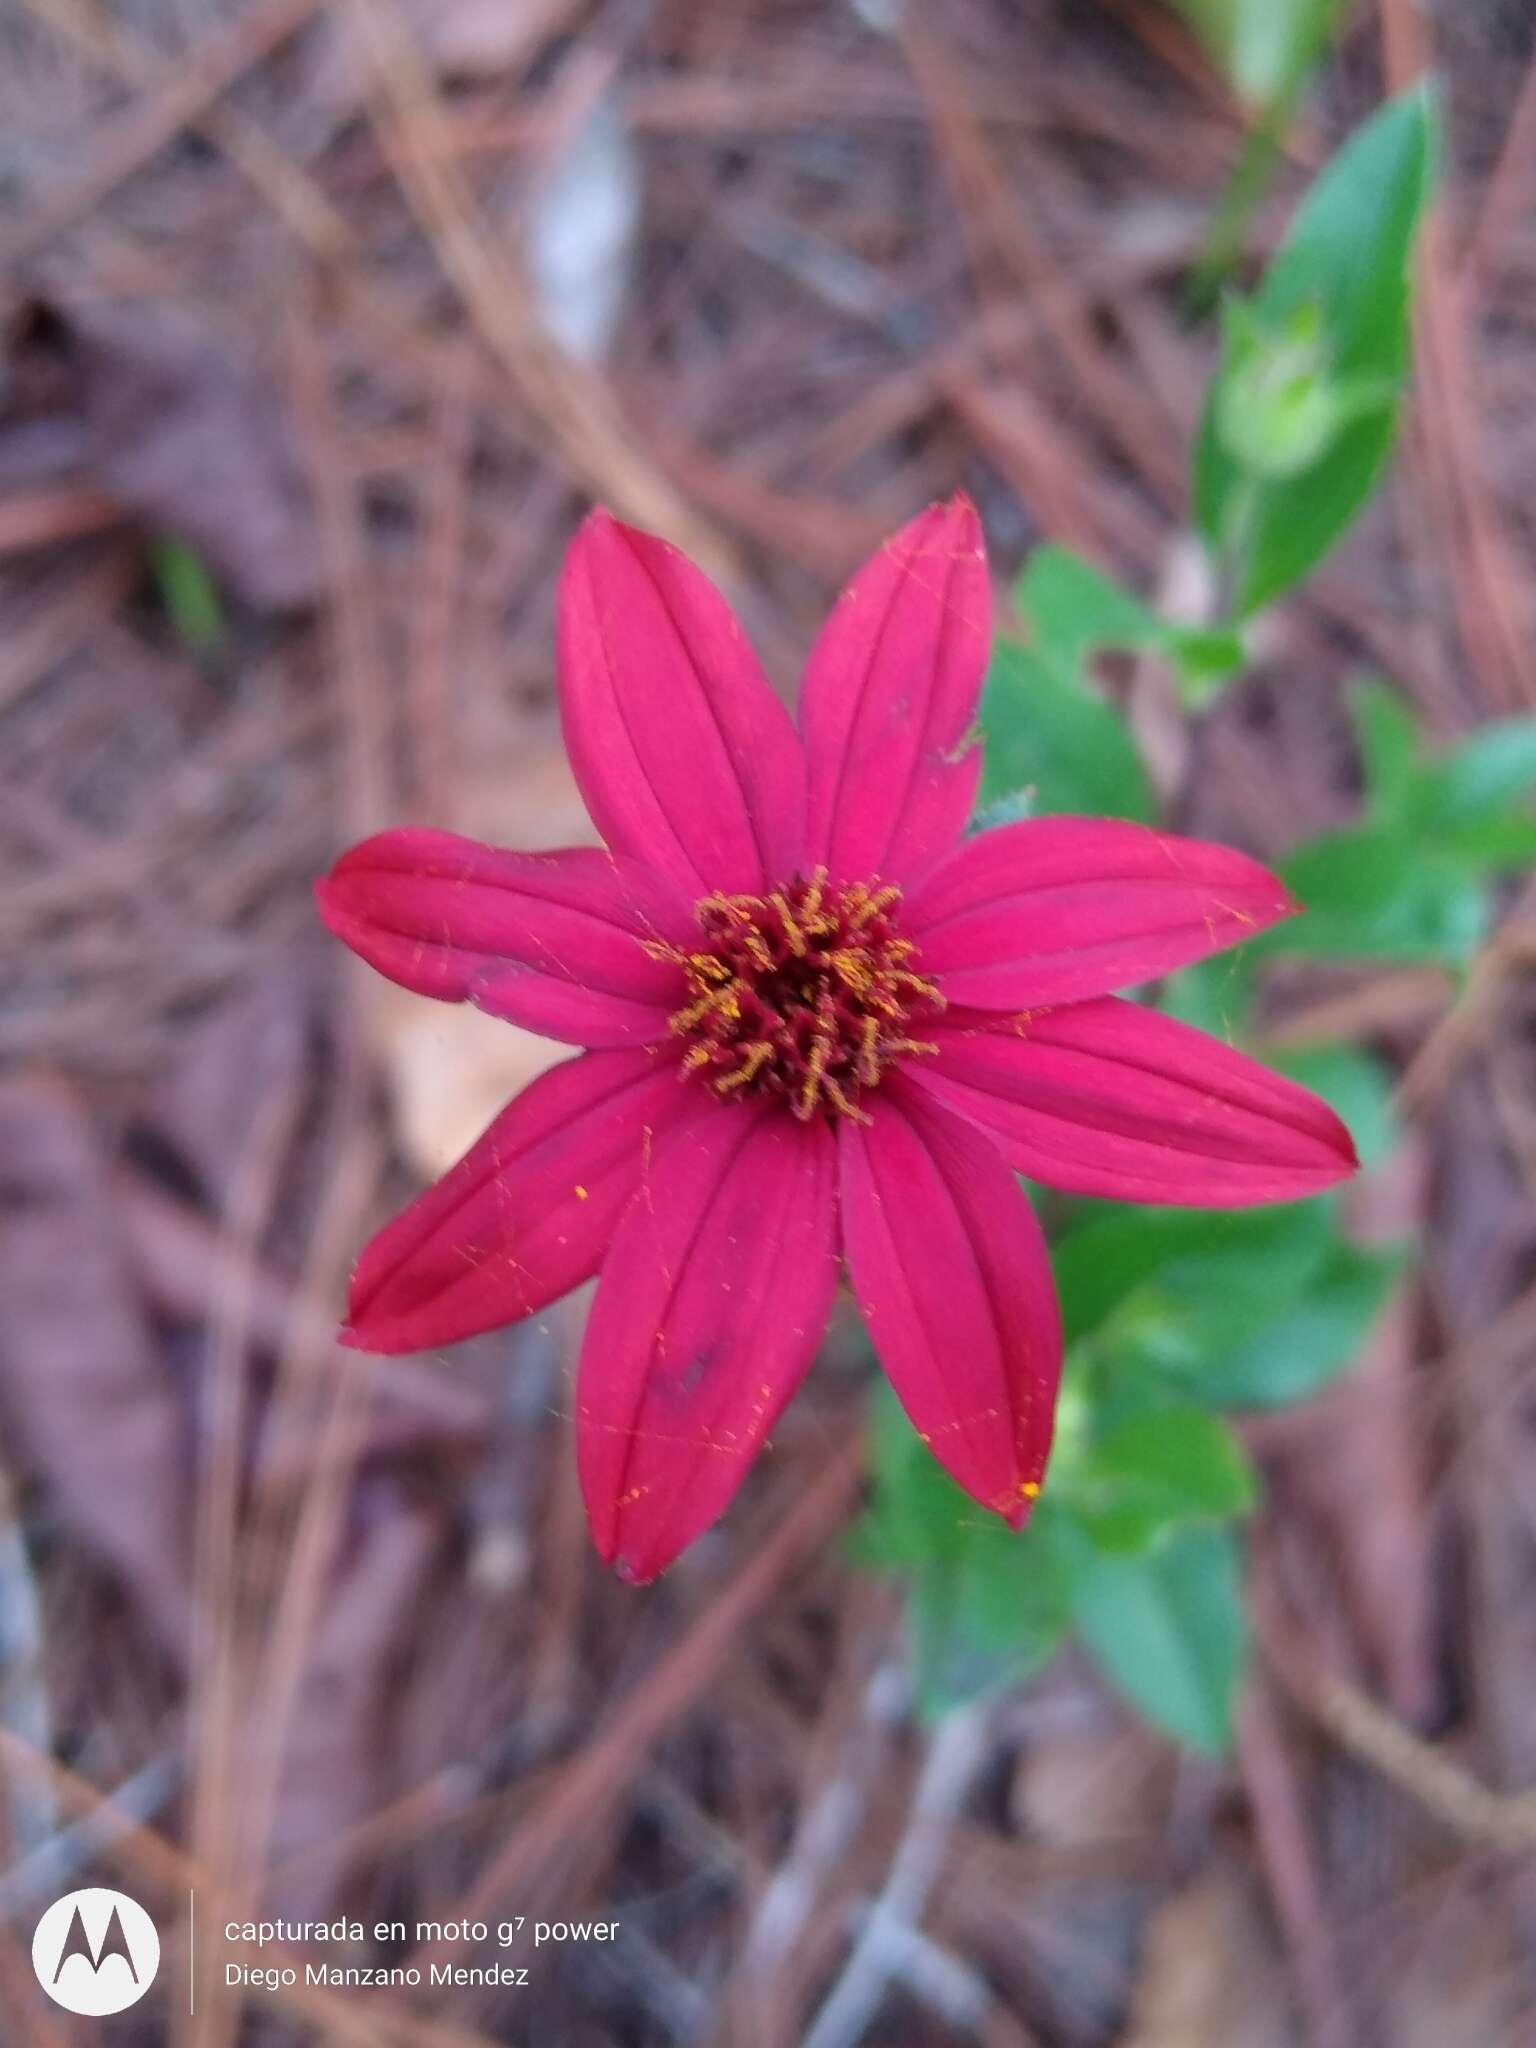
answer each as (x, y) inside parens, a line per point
(1057, 909)
(546, 940)
(710, 1308)
(1108, 1098)
(949, 1267)
(890, 697)
(686, 759)
(528, 1211)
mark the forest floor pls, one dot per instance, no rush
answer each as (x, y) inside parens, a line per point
(321, 323)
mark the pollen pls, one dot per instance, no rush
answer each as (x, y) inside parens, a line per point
(809, 993)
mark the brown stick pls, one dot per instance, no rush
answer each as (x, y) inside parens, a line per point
(36, 519)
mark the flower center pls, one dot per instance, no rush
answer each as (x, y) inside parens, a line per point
(809, 992)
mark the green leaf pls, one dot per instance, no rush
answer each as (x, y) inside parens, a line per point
(1266, 47)
(1493, 768)
(985, 1606)
(1352, 1082)
(1503, 839)
(1345, 265)
(1474, 802)
(1357, 871)
(1389, 747)
(1204, 656)
(1160, 1467)
(1173, 1270)
(1076, 612)
(987, 1618)
(916, 1513)
(1296, 1353)
(1059, 737)
(1377, 892)
(1351, 244)
(1471, 806)
(1168, 1630)
(189, 595)
(1213, 995)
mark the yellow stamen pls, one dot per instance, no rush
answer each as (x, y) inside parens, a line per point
(725, 1002)
(871, 905)
(792, 931)
(919, 986)
(852, 969)
(815, 1075)
(915, 1045)
(828, 986)
(754, 1058)
(840, 1101)
(869, 1064)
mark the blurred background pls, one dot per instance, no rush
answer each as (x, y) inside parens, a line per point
(321, 324)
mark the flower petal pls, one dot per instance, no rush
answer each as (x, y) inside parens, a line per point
(547, 940)
(890, 696)
(1108, 1098)
(949, 1267)
(528, 1211)
(1057, 909)
(686, 758)
(710, 1308)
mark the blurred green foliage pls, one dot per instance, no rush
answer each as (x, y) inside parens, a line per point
(1302, 410)
(1268, 50)
(1265, 47)
(189, 595)
(1175, 1318)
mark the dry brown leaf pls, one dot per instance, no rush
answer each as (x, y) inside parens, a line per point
(451, 1069)
(1209, 1975)
(449, 1072)
(1075, 1788)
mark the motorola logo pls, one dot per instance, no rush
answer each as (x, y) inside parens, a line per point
(95, 1952)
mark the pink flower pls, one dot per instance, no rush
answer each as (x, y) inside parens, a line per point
(821, 1028)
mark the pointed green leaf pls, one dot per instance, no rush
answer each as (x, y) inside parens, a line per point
(1073, 610)
(1389, 747)
(1298, 1352)
(1177, 1269)
(1214, 995)
(1266, 47)
(1059, 738)
(1159, 1468)
(987, 1618)
(1475, 801)
(1348, 256)
(1168, 1630)
(1378, 892)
